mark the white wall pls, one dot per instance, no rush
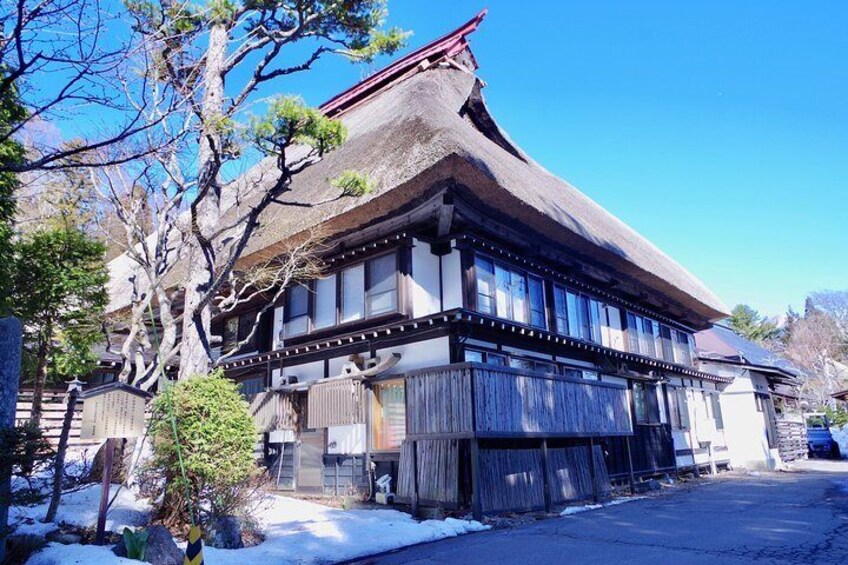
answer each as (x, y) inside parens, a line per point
(702, 426)
(347, 439)
(418, 355)
(452, 284)
(304, 372)
(426, 298)
(745, 428)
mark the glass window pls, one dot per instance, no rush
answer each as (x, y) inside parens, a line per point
(544, 367)
(573, 315)
(682, 352)
(231, 326)
(485, 269)
(560, 310)
(389, 411)
(633, 332)
(645, 404)
(473, 356)
(646, 338)
(683, 408)
(251, 385)
(245, 327)
(518, 291)
(297, 310)
(719, 418)
(381, 297)
(353, 293)
(674, 414)
(537, 303)
(496, 359)
(573, 373)
(503, 292)
(585, 318)
(519, 363)
(591, 375)
(325, 302)
(595, 320)
(667, 348)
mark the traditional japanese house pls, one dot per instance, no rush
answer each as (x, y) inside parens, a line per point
(760, 414)
(485, 334)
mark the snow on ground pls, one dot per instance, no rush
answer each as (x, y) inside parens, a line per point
(302, 532)
(585, 508)
(80, 509)
(296, 531)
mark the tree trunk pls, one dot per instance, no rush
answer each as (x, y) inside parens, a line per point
(61, 450)
(10, 372)
(194, 349)
(40, 376)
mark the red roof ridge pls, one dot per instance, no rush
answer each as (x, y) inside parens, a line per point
(446, 46)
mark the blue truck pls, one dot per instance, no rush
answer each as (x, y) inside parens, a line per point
(820, 442)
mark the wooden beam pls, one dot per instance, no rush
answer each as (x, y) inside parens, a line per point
(592, 471)
(476, 506)
(545, 478)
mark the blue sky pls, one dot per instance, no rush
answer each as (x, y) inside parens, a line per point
(719, 130)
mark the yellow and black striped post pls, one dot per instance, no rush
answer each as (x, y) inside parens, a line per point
(194, 549)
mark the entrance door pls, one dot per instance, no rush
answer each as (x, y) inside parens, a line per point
(310, 451)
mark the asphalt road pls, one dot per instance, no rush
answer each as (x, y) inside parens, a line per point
(782, 518)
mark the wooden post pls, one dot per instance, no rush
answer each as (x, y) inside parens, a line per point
(476, 503)
(105, 486)
(74, 388)
(592, 472)
(415, 508)
(546, 482)
(10, 375)
(631, 476)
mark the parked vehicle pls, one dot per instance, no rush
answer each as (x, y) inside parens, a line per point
(820, 442)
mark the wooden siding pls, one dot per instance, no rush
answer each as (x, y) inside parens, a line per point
(791, 440)
(511, 480)
(570, 475)
(272, 410)
(438, 471)
(470, 399)
(53, 408)
(336, 402)
(651, 449)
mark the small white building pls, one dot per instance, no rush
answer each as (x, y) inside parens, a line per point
(761, 430)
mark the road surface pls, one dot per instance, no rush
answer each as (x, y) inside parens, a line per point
(782, 518)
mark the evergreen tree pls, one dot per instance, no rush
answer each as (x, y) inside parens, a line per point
(11, 153)
(748, 323)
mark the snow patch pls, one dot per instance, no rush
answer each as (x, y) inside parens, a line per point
(80, 509)
(615, 502)
(58, 554)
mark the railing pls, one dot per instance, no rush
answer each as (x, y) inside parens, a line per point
(471, 399)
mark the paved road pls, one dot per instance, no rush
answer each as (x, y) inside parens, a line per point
(786, 518)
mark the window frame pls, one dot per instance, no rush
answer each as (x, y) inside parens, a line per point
(378, 432)
(497, 279)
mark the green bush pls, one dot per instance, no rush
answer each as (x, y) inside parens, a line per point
(216, 437)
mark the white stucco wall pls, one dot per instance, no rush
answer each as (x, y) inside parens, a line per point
(426, 297)
(418, 355)
(452, 279)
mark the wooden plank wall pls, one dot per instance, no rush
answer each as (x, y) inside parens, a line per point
(438, 471)
(511, 480)
(509, 402)
(272, 410)
(439, 402)
(54, 404)
(651, 448)
(570, 476)
(336, 403)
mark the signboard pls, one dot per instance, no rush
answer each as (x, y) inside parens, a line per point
(113, 412)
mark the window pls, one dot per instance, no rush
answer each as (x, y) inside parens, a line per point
(716, 403)
(508, 293)
(595, 321)
(519, 363)
(683, 408)
(566, 310)
(297, 311)
(389, 416)
(646, 338)
(381, 295)
(537, 303)
(645, 405)
(251, 385)
(476, 356)
(633, 332)
(667, 348)
(236, 330)
(573, 315)
(325, 302)
(473, 356)
(682, 351)
(485, 285)
(584, 317)
(353, 293)
(673, 409)
(496, 359)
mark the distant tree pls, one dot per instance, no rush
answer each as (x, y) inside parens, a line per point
(59, 293)
(11, 154)
(748, 323)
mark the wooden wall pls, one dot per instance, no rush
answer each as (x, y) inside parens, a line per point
(437, 462)
(570, 475)
(503, 402)
(54, 404)
(336, 402)
(651, 449)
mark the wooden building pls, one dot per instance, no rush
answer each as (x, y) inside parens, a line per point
(763, 426)
(485, 334)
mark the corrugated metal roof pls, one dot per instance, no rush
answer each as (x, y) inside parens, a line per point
(723, 344)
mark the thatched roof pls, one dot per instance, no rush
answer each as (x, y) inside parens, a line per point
(430, 124)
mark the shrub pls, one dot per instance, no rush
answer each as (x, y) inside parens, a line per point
(136, 543)
(216, 437)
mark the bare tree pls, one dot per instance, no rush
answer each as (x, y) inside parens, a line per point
(195, 103)
(816, 344)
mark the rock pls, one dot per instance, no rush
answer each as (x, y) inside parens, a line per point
(19, 547)
(225, 533)
(95, 474)
(161, 549)
(65, 538)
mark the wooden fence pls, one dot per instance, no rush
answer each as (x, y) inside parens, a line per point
(336, 402)
(273, 410)
(651, 450)
(467, 399)
(53, 407)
